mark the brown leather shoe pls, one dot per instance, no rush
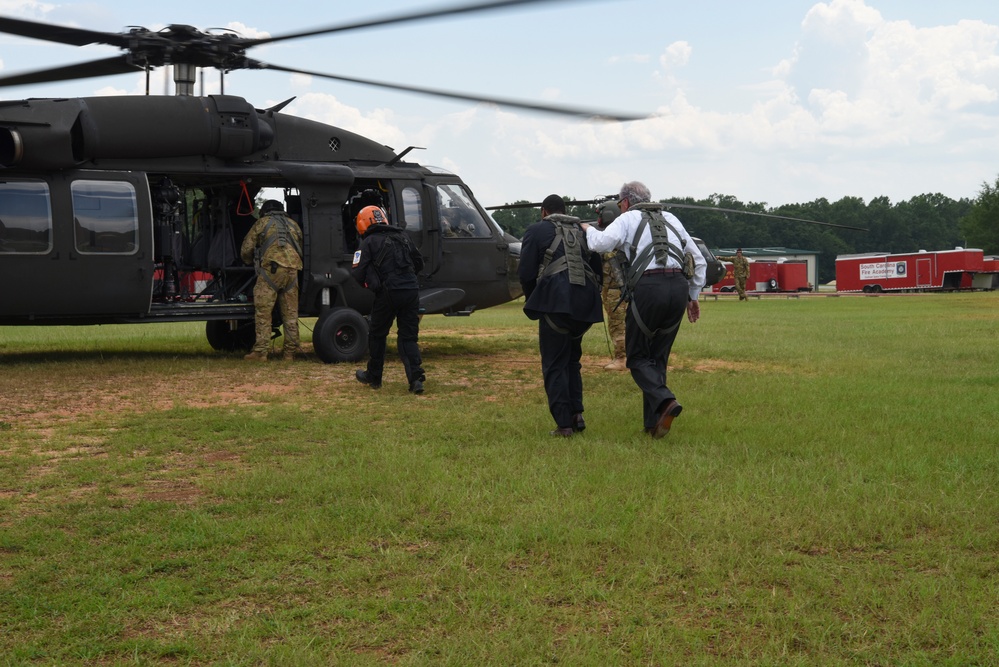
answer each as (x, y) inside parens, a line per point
(562, 432)
(666, 417)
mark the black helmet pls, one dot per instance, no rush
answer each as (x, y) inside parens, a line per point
(270, 206)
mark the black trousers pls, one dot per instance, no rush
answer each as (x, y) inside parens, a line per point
(402, 306)
(662, 302)
(560, 339)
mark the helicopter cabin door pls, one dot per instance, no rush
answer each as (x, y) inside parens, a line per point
(474, 254)
(413, 216)
(78, 245)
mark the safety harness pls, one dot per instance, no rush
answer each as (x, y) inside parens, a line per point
(662, 249)
(571, 238)
(283, 237)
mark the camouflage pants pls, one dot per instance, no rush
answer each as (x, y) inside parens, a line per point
(611, 296)
(740, 287)
(264, 298)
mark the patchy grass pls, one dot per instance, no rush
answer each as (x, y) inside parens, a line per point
(827, 497)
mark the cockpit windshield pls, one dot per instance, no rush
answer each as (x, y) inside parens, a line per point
(459, 215)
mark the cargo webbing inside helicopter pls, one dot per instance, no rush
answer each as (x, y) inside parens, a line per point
(133, 209)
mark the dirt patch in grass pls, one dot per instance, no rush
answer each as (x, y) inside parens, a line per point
(52, 400)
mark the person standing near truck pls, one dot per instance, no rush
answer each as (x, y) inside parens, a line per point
(740, 271)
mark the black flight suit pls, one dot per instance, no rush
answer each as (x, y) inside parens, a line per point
(390, 272)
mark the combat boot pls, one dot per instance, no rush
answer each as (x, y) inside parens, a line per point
(256, 356)
(363, 377)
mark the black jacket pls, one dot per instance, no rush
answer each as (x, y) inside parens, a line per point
(554, 293)
(386, 259)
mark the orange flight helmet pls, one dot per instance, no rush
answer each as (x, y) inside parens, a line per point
(370, 215)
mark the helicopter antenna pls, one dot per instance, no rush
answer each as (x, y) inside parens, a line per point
(402, 154)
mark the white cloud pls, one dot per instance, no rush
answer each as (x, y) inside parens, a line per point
(377, 125)
(30, 9)
(676, 55)
(246, 31)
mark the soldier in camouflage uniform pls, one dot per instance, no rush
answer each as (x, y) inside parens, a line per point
(274, 246)
(740, 271)
(611, 292)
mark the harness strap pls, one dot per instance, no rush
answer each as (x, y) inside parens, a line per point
(267, 278)
(572, 240)
(645, 329)
(283, 235)
(660, 247)
(557, 328)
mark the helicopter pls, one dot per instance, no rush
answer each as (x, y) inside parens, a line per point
(129, 209)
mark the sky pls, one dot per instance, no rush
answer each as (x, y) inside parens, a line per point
(771, 101)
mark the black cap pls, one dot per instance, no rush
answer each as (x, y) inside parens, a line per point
(271, 205)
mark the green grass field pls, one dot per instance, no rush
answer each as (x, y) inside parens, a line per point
(828, 497)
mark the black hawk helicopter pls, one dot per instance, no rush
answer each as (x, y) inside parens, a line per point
(129, 209)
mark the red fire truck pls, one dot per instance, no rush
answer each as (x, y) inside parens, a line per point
(917, 271)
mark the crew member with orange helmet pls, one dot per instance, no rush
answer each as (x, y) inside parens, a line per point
(387, 264)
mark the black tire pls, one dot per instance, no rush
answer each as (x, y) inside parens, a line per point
(230, 335)
(772, 285)
(341, 334)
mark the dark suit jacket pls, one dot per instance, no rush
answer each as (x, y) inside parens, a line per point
(554, 293)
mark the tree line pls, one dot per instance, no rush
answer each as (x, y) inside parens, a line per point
(925, 222)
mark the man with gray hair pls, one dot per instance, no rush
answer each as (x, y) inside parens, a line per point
(664, 279)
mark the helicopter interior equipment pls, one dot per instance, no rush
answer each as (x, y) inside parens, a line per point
(128, 209)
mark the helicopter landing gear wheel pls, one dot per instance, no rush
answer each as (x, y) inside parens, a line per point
(341, 334)
(230, 335)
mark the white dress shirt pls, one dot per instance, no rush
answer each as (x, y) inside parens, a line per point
(618, 234)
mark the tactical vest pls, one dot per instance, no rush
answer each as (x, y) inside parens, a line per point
(572, 239)
(282, 236)
(277, 232)
(662, 250)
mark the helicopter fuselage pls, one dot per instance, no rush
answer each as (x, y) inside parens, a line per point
(132, 209)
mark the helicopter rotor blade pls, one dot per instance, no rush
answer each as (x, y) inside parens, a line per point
(763, 215)
(499, 101)
(568, 202)
(400, 18)
(61, 34)
(600, 200)
(95, 68)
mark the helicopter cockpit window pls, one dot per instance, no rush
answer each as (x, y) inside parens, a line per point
(459, 217)
(105, 214)
(412, 210)
(25, 218)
